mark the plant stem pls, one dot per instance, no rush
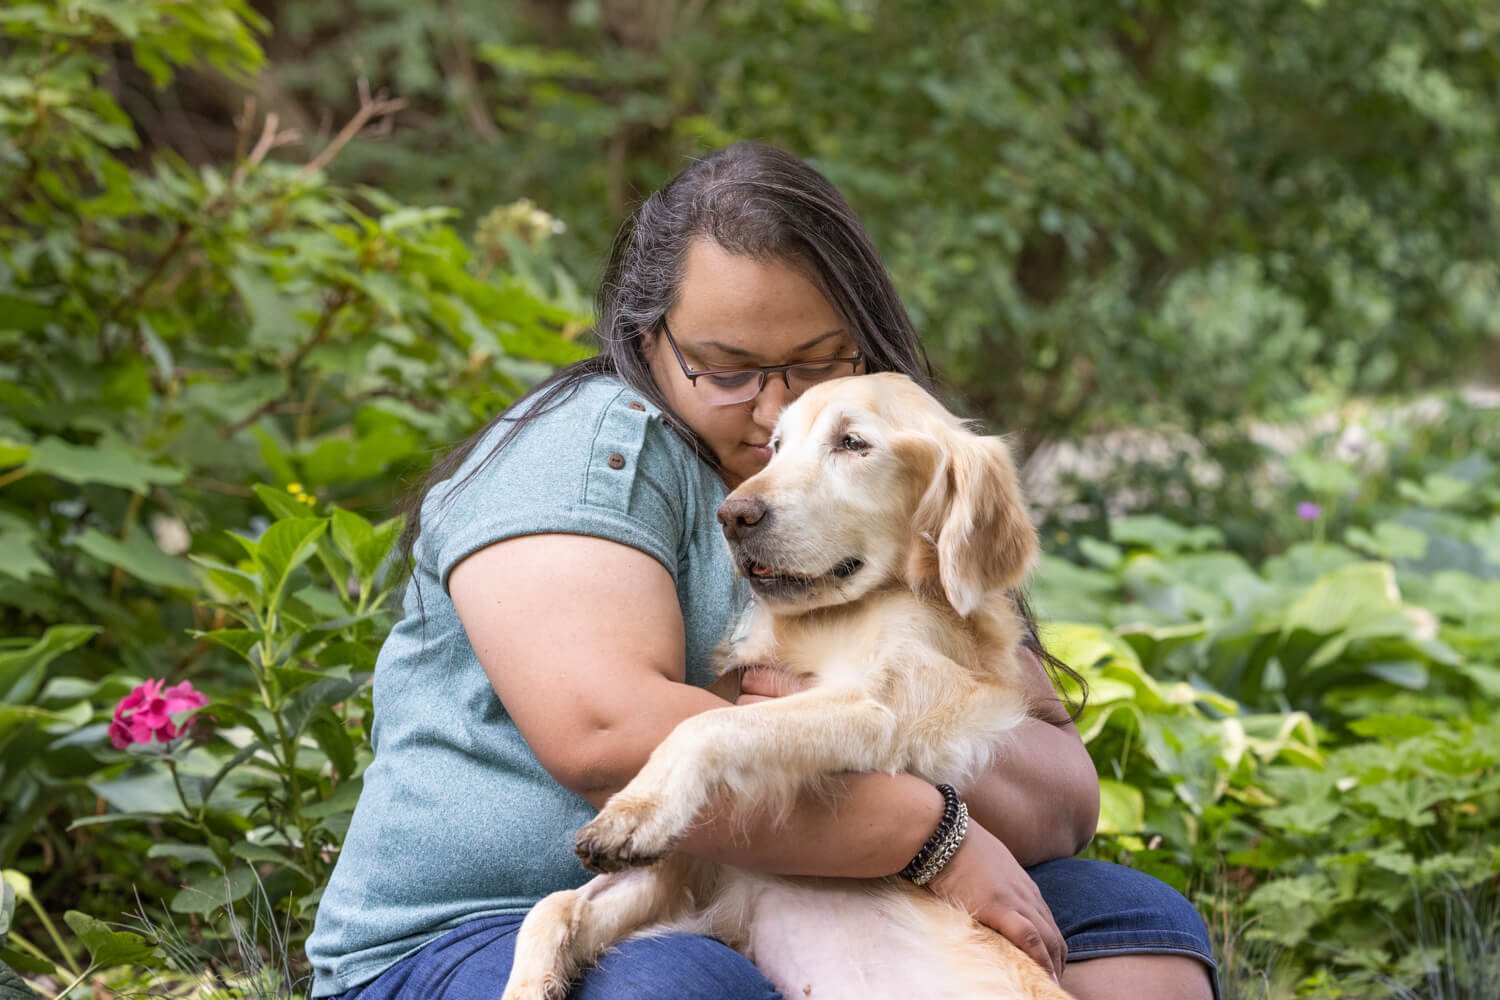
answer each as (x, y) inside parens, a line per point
(78, 979)
(57, 939)
(133, 300)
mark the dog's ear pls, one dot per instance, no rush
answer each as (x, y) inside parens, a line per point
(973, 534)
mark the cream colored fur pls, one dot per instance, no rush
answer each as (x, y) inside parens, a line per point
(911, 661)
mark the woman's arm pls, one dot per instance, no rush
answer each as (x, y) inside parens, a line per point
(583, 641)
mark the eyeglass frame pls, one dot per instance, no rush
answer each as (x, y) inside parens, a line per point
(764, 371)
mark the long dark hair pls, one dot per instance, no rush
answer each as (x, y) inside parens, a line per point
(753, 200)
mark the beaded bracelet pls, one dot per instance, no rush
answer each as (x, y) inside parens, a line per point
(944, 842)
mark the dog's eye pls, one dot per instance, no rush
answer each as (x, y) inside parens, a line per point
(851, 443)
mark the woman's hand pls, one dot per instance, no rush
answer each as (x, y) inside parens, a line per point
(985, 879)
(763, 684)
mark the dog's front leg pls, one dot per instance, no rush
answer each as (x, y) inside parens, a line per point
(762, 754)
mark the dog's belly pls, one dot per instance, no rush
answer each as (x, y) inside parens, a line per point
(837, 939)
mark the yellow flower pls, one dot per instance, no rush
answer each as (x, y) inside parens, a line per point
(295, 489)
(308, 499)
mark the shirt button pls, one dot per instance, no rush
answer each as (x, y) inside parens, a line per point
(635, 404)
(616, 461)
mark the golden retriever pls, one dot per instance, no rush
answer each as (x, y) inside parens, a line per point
(882, 542)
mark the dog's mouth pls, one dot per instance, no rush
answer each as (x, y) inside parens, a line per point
(769, 579)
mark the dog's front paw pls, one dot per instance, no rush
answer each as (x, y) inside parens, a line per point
(627, 833)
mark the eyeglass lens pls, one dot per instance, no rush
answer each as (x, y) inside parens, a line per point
(728, 388)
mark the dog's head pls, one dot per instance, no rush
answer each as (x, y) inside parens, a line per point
(873, 481)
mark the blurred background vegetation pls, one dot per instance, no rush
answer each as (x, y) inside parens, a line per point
(1099, 213)
(1228, 271)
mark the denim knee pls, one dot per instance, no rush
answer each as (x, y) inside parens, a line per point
(1104, 909)
(674, 967)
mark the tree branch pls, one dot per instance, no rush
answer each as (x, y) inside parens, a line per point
(370, 108)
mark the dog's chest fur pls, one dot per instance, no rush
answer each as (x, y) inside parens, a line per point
(952, 683)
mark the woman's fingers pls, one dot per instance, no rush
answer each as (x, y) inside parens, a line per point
(760, 683)
(984, 878)
(1022, 931)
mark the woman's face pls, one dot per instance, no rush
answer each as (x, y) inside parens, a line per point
(736, 312)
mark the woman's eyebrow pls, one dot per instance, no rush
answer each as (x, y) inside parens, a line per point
(740, 352)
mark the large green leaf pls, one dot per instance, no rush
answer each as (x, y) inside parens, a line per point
(1122, 808)
(1362, 597)
(12, 986)
(19, 543)
(280, 502)
(285, 546)
(278, 320)
(139, 556)
(207, 893)
(112, 463)
(21, 670)
(109, 948)
(333, 737)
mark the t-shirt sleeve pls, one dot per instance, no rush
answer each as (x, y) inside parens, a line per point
(602, 464)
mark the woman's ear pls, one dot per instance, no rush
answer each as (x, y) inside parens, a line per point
(971, 527)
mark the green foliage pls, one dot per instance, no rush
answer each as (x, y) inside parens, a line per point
(174, 340)
(215, 377)
(1096, 211)
(1320, 727)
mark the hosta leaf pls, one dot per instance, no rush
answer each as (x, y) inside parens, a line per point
(1122, 808)
(12, 986)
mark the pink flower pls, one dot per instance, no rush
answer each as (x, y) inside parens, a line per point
(1309, 511)
(145, 714)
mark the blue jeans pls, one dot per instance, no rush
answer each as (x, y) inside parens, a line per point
(1102, 910)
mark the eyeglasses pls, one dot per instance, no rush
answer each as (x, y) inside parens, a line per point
(728, 386)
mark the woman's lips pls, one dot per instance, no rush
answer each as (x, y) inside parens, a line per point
(760, 451)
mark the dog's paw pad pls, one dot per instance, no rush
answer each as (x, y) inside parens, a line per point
(622, 837)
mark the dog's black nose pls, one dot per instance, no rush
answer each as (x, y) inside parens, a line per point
(740, 515)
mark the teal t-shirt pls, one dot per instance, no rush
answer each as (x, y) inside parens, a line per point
(457, 819)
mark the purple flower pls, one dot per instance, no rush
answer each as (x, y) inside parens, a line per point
(1309, 511)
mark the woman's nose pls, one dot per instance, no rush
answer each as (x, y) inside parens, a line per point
(774, 397)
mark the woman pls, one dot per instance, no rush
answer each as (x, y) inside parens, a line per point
(569, 582)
